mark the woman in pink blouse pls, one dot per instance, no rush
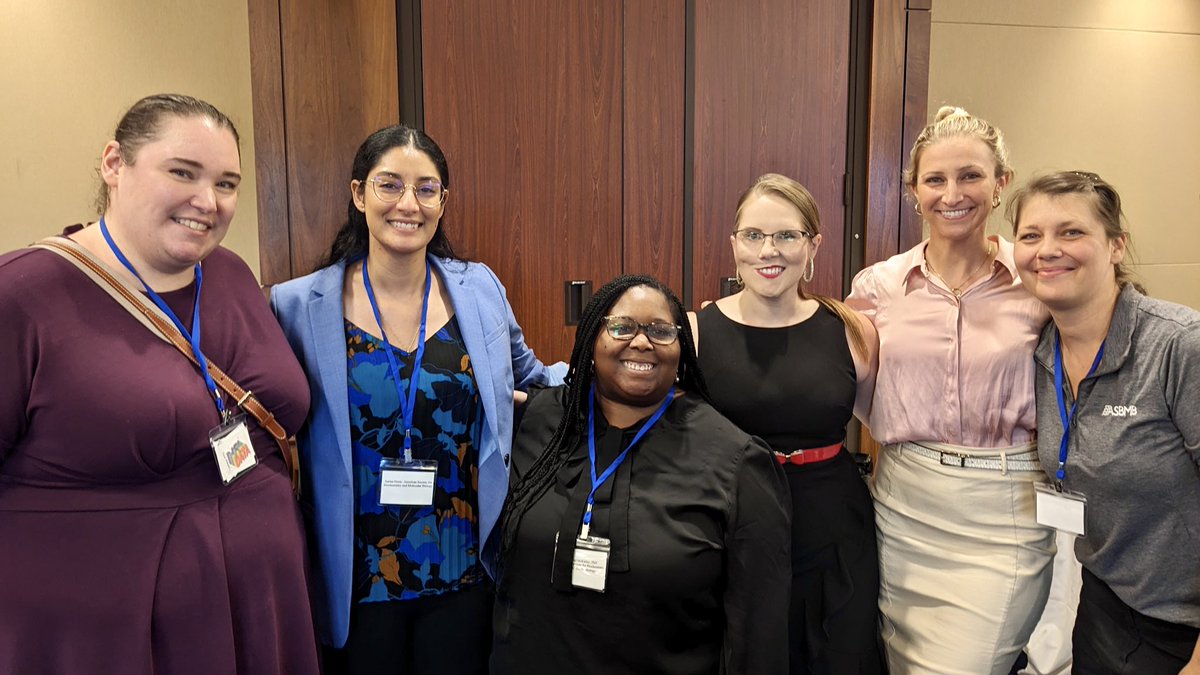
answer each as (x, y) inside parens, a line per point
(964, 566)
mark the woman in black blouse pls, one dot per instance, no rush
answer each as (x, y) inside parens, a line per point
(645, 533)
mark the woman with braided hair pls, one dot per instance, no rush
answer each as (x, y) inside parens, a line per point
(644, 532)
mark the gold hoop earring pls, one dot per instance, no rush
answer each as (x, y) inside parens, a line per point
(737, 276)
(917, 208)
(996, 201)
(812, 268)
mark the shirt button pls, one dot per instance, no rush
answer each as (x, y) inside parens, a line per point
(506, 456)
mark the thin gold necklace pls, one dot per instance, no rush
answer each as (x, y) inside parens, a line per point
(958, 290)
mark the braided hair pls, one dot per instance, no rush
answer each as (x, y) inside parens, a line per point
(540, 476)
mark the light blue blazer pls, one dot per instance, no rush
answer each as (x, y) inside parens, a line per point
(311, 313)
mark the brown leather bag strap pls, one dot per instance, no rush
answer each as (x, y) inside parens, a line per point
(153, 318)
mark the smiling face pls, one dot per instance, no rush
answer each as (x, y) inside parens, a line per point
(955, 186)
(636, 373)
(171, 204)
(1063, 253)
(766, 269)
(403, 226)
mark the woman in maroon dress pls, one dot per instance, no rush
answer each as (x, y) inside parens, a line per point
(126, 549)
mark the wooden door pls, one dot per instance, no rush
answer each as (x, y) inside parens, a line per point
(590, 138)
(771, 88)
(589, 102)
(324, 77)
(563, 126)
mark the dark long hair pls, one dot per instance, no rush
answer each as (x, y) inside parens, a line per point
(351, 241)
(573, 425)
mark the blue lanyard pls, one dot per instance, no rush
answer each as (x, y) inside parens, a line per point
(193, 335)
(407, 403)
(612, 468)
(1061, 474)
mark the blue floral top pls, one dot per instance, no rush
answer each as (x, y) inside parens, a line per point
(405, 552)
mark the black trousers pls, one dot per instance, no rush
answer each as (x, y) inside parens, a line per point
(448, 634)
(1110, 637)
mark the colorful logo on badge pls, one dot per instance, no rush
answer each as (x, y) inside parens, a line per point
(237, 454)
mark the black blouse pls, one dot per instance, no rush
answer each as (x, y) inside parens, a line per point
(699, 573)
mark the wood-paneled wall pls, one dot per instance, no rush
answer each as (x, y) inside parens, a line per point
(588, 138)
(771, 91)
(653, 124)
(899, 89)
(324, 77)
(524, 97)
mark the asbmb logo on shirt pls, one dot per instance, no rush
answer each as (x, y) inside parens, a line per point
(1119, 411)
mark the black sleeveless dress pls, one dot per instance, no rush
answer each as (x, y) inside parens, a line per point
(794, 388)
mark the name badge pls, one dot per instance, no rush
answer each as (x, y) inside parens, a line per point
(232, 448)
(1061, 510)
(407, 483)
(590, 567)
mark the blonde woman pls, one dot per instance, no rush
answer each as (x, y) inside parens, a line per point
(964, 566)
(789, 368)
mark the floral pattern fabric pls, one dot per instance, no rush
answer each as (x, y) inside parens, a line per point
(405, 552)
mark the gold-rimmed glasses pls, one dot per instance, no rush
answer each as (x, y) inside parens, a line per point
(389, 188)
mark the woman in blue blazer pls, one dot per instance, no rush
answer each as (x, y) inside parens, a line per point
(404, 477)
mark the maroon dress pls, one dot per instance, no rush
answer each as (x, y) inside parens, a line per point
(120, 549)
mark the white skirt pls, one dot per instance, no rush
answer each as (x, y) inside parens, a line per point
(964, 567)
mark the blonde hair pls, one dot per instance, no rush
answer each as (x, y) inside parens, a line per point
(798, 196)
(954, 122)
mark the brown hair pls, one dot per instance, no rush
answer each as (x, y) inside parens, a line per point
(143, 121)
(954, 122)
(1103, 197)
(798, 196)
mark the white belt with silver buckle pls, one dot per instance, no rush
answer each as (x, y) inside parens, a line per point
(1024, 461)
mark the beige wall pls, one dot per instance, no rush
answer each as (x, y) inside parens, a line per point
(69, 68)
(1110, 86)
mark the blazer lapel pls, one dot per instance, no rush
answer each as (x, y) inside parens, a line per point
(329, 348)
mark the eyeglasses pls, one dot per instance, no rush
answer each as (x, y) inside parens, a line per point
(784, 240)
(625, 328)
(391, 189)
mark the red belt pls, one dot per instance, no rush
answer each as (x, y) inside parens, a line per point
(810, 455)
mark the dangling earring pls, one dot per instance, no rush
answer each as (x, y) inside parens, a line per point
(996, 201)
(917, 208)
(812, 268)
(737, 276)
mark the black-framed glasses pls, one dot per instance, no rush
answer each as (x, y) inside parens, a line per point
(783, 239)
(625, 328)
(389, 188)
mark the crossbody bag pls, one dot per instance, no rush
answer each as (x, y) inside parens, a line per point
(157, 322)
